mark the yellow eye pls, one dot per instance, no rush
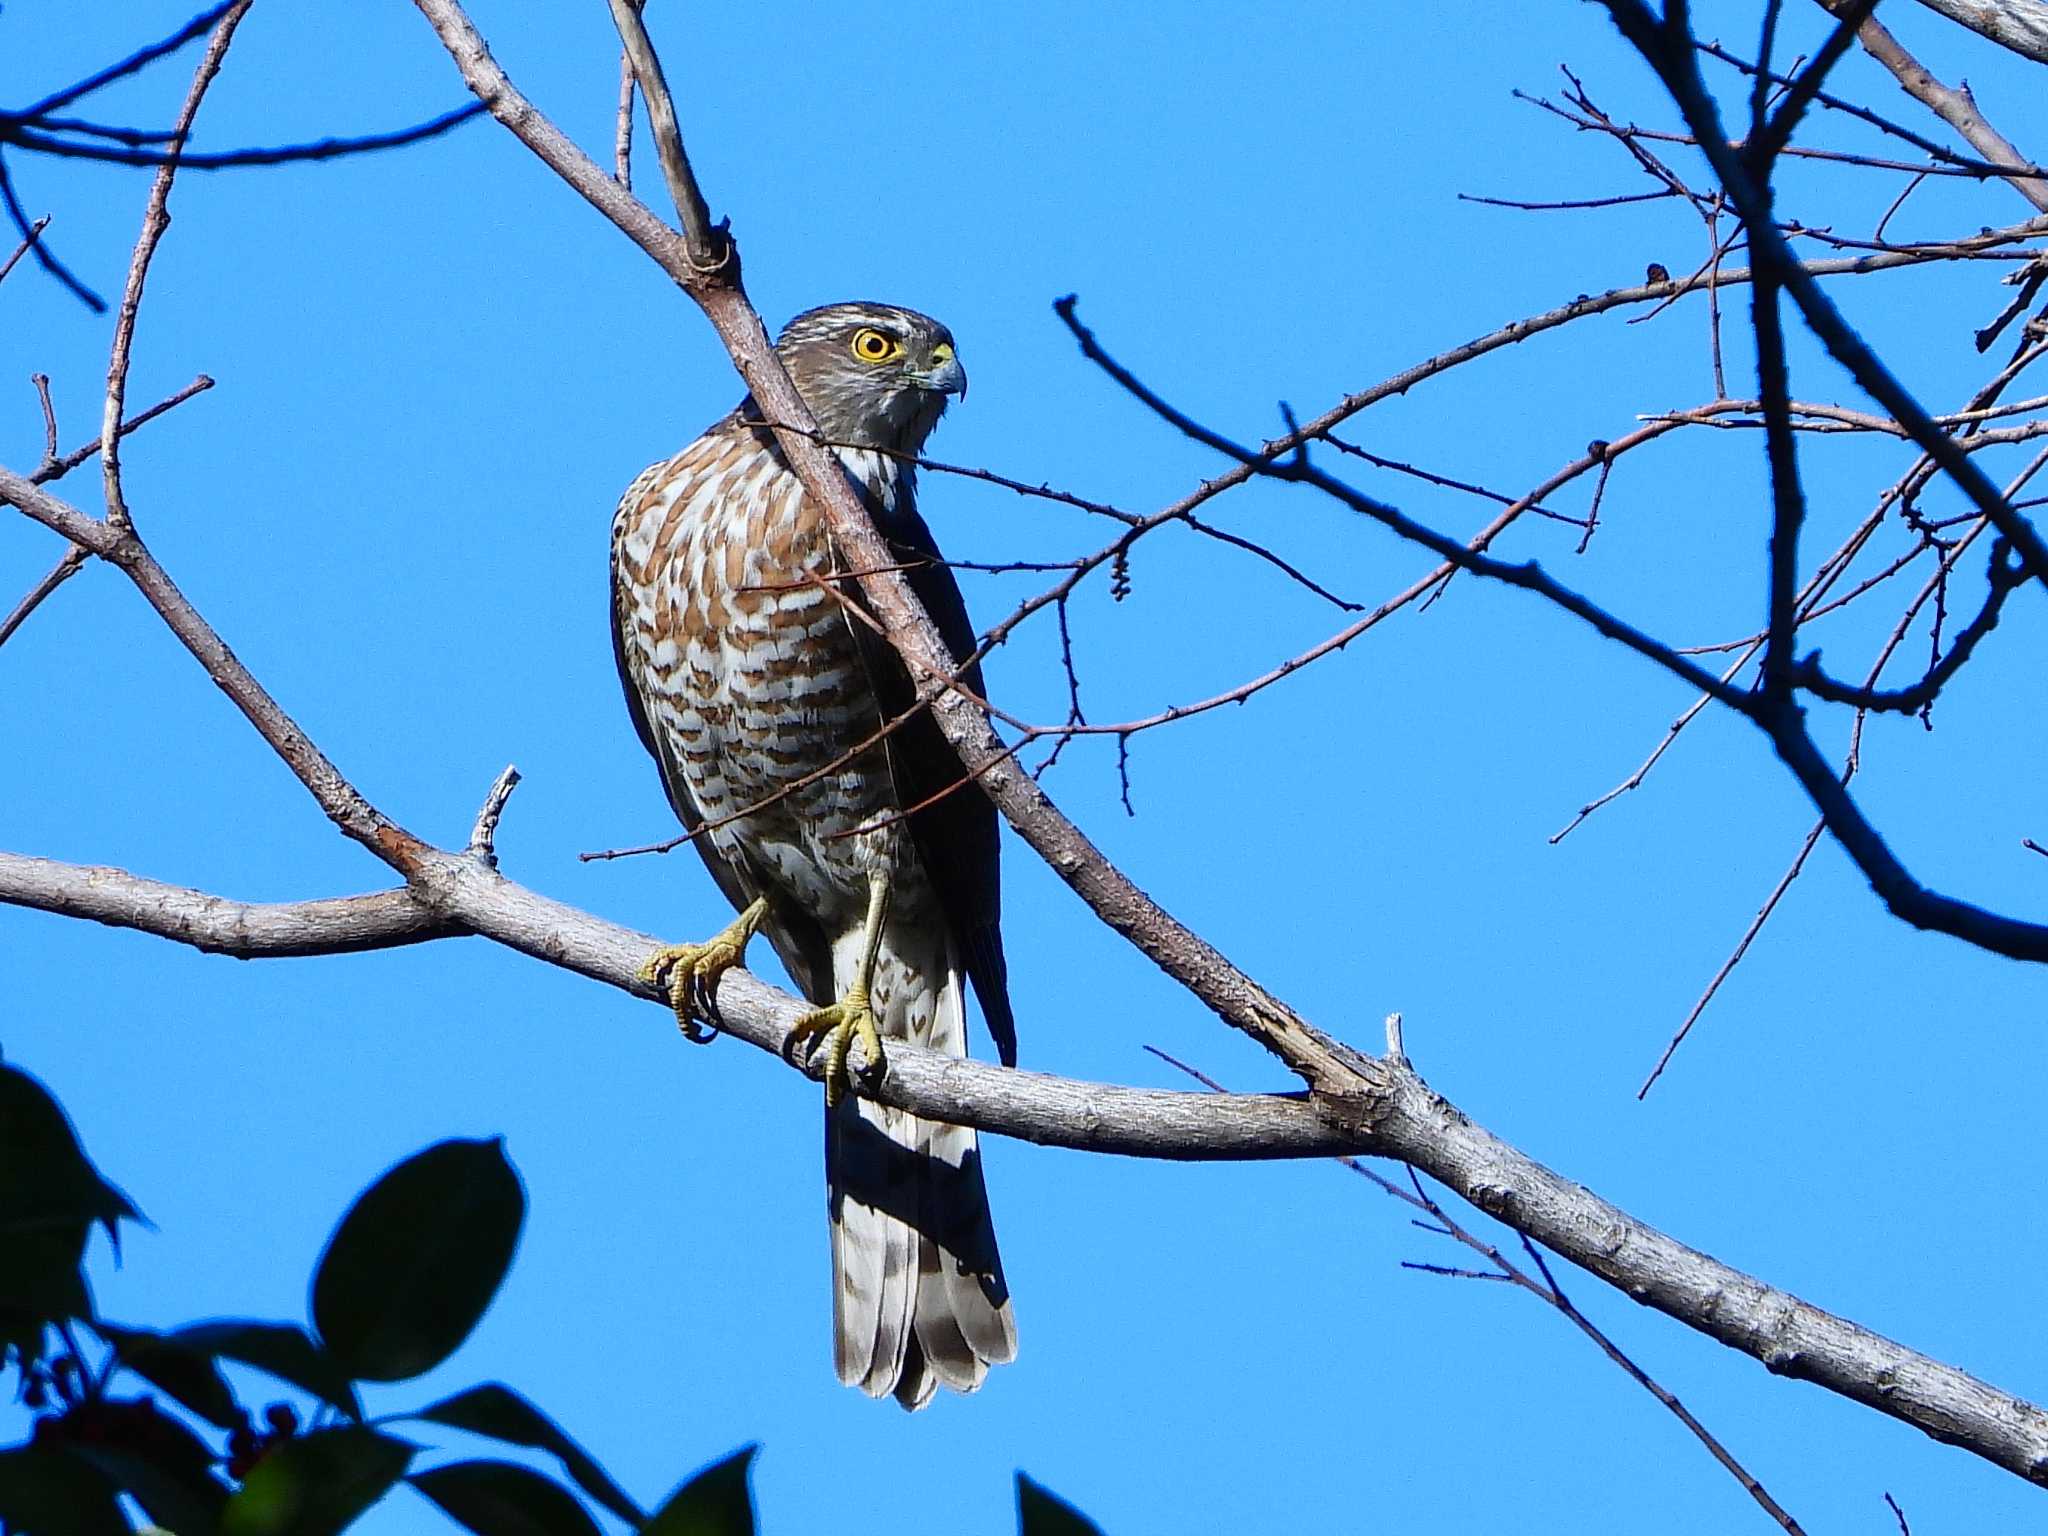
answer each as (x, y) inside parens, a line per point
(872, 346)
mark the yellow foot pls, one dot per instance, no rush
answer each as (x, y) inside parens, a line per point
(841, 1023)
(689, 971)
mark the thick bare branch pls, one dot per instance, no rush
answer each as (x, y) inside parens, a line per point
(345, 807)
(1956, 108)
(1671, 54)
(2021, 25)
(1120, 903)
(247, 930)
(1179, 951)
(460, 893)
(1775, 712)
(1400, 1117)
(1364, 1105)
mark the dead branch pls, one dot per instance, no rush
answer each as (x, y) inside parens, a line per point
(28, 239)
(1940, 153)
(1399, 1117)
(457, 894)
(156, 219)
(1172, 946)
(1547, 1290)
(335, 147)
(65, 568)
(58, 468)
(1360, 1104)
(1953, 107)
(1915, 697)
(1773, 711)
(342, 925)
(1678, 68)
(123, 548)
(2021, 25)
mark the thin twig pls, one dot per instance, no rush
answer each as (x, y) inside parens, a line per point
(622, 135)
(1756, 925)
(1877, 234)
(1671, 734)
(156, 219)
(1956, 108)
(1772, 712)
(1547, 1290)
(1678, 68)
(1750, 1485)
(41, 381)
(483, 836)
(336, 147)
(128, 66)
(28, 240)
(57, 469)
(1637, 137)
(32, 239)
(709, 247)
(1569, 203)
(1988, 166)
(61, 572)
(1848, 771)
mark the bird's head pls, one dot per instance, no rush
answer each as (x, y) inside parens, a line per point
(875, 376)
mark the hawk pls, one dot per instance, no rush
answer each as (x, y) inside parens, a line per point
(762, 691)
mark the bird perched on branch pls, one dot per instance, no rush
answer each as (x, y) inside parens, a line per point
(832, 812)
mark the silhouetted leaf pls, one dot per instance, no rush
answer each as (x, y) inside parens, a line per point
(502, 1414)
(316, 1484)
(44, 1492)
(1041, 1512)
(174, 1501)
(715, 1502)
(146, 1453)
(42, 1276)
(282, 1349)
(50, 1198)
(46, 1180)
(178, 1367)
(417, 1259)
(502, 1498)
(22, 1333)
(41, 1284)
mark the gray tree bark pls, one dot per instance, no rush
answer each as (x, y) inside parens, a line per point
(2021, 25)
(1393, 1113)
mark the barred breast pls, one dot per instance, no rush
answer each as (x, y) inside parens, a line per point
(747, 668)
(743, 666)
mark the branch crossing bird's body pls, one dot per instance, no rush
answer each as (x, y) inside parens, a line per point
(759, 688)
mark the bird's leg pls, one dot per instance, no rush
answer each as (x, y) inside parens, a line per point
(685, 968)
(852, 1016)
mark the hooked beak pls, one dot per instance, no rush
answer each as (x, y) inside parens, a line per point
(946, 377)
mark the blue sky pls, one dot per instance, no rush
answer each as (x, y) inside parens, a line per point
(436, 369)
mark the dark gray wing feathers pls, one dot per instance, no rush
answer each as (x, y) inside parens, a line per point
(956, 836)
